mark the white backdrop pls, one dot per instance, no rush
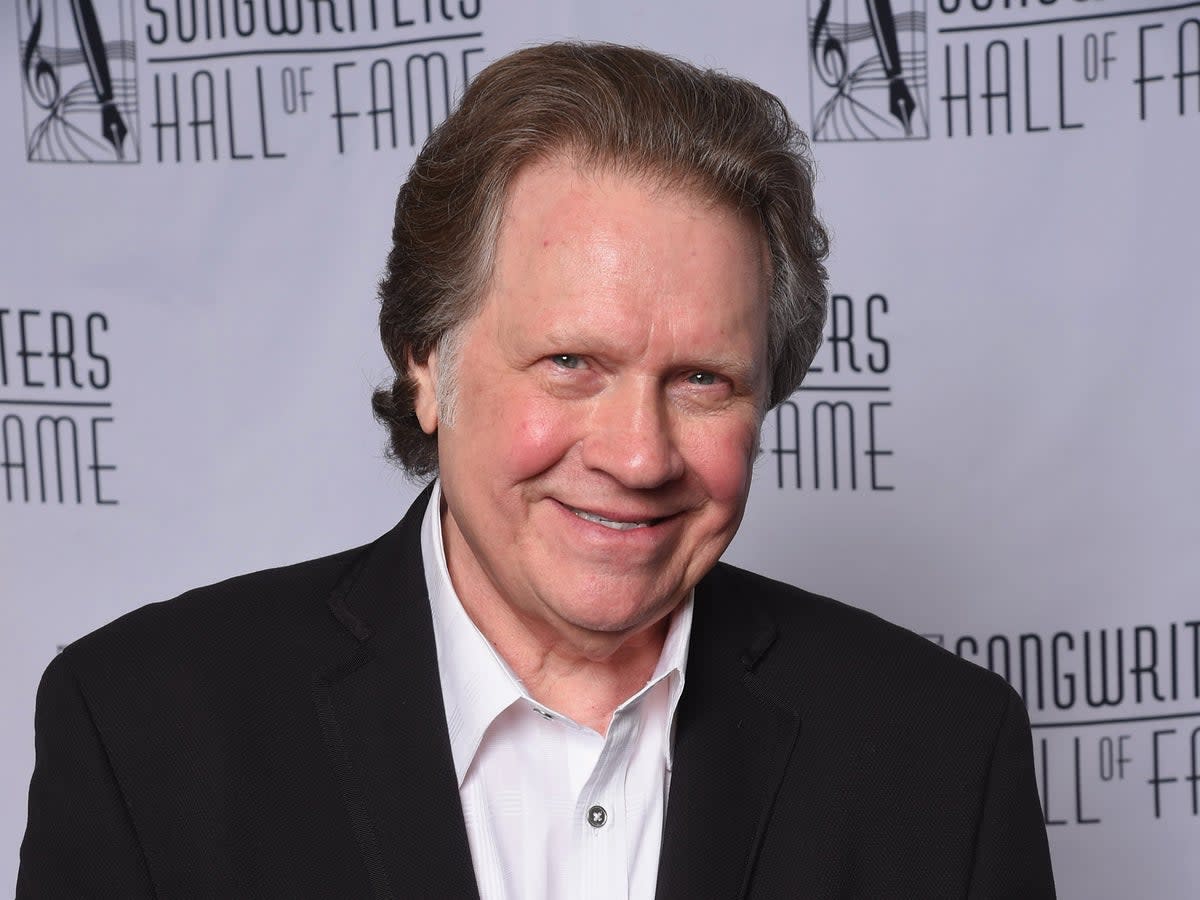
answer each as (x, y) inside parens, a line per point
(999, 449)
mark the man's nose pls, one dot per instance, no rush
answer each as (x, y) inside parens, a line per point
(631, 436)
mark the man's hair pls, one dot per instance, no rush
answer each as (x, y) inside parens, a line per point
(623, 109)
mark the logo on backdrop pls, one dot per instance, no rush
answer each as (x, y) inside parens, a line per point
(868, 71)
(1115, 715)
(78, 80)
(239, 81)
(997, 67)
(55, 411)
(831, 435)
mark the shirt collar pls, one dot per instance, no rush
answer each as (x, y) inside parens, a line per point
(672, 664)
(478, 685)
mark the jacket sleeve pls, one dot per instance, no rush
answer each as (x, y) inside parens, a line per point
(79, 839)
(1012, 855)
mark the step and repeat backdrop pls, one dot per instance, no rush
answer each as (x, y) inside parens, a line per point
(998, 446)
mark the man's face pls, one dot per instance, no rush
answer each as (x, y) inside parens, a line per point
(608, 401)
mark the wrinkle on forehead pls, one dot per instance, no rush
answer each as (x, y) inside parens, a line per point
(543, 220)
(655, 182)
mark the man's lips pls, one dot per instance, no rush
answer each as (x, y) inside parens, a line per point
(622, 520)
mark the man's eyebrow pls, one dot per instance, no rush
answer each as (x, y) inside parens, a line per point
(570, 340)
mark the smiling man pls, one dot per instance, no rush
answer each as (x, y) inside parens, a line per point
(606, 404)
(605, 270)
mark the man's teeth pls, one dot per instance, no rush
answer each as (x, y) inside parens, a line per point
(608, 523)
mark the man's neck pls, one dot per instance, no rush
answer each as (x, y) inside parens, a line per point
(585, 680)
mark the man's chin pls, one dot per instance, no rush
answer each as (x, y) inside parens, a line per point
(614, 625)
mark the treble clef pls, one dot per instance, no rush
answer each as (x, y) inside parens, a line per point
(829, 58)
(40, 77)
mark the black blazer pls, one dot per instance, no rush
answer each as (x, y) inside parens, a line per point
(281, 734)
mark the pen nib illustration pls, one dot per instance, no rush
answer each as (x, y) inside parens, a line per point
(112, 126)
(901, 104)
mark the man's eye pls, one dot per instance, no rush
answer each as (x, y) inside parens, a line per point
(567, 361)
(702, 378)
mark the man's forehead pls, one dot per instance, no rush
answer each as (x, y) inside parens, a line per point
(558, 204)
(571, 169)
(549, 195)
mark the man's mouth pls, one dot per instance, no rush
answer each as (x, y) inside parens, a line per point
(615, 524)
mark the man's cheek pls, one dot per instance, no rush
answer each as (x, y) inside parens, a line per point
(538, 438)
(724, 463)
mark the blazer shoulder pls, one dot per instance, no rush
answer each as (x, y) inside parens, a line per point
(267, 610)
(859, 647)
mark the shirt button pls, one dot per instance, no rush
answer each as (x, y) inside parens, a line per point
(596, 816)
(543, 713)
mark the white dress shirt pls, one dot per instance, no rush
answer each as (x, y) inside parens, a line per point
(553, 810)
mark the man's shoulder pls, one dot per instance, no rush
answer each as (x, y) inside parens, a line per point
(855, 653)
(269, 612)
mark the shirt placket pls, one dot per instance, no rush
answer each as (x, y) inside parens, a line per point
(601, 817)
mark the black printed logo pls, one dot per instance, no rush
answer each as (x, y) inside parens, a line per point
(868, 61)
(79, 80)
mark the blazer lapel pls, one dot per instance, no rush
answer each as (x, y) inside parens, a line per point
(732, 743)
(379, 705)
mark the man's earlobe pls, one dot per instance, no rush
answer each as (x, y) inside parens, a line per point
(424, 376)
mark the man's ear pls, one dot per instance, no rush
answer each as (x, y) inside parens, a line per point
(424, 376)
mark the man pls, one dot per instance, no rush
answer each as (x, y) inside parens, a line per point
(606, 269)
